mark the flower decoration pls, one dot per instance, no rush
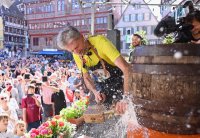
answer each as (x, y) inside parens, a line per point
(52, 128)
(76, 110)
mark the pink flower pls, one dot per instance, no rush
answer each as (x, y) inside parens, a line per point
(53, 123)
(46, 124)
(35, 131)
(61, 124)
(50, 131)
(33, 135)
(44, 132)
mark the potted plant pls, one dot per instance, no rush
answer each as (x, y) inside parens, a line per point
(54, 128)
(74, 113)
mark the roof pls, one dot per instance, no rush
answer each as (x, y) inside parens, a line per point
(10, 8)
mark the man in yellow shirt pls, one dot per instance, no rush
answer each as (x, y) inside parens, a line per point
(99, 55)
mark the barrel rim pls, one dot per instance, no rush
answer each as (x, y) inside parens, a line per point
(189, 49)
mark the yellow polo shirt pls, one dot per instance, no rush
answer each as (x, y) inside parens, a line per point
(105, 49)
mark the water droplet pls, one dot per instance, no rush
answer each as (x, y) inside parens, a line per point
(114, 96)
(178, 55)
(186, 52)
(172, 111)
(188, 125)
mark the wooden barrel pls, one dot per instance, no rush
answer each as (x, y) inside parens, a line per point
(165, 84)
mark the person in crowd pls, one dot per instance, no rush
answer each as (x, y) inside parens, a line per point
(31, 107)
(194, 19)
(77, 95)
(98, 54)
(78, 82)
(5, 108)
(136, 41)
(4, 132)
(20, 129)
(20, 87)
(10, 90)
(46, 92)
(58, 100)
(71, 79)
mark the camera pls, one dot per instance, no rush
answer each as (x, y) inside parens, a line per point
(181, 28)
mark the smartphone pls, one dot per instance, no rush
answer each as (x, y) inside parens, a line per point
(38, 84)
(27, 76)
(44, 79)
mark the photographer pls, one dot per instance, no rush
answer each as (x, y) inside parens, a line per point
(194, 19)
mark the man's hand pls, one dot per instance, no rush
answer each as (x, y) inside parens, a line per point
(99, 97)
(121, 107)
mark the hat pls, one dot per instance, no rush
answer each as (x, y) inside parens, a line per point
(71, 70)
(77, 90)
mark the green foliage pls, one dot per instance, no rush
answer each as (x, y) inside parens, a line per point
(169, 39)
(74, 111)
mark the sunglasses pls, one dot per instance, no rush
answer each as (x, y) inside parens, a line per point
(2, 98)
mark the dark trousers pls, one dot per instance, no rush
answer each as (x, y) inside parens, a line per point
(47, 110)
(31, 125)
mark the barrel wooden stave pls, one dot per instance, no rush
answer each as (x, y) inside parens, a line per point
(167, 92)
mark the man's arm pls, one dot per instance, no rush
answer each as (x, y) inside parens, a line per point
(126, 69)
(90, 85)
(24, 116)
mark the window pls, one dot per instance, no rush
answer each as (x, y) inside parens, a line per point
(144, 28)
(100, 20)
(137, 5)
(88, 3)
(75, 4)
(61, 5)
(36, 41)
(6, 18)
(137, 28)
(89, 21)
(128, 31)
(136, 17)
(83, 22)
(152, 29)
(141, 17)
(133, 17)
(6, 29)
(126, 18)
(105, 19)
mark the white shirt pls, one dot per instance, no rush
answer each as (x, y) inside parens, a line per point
(6, 134)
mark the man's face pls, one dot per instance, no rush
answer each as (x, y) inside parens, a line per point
(195, 32)
(136, 41)
(76, 46)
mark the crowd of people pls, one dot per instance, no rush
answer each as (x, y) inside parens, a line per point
(33, 90)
